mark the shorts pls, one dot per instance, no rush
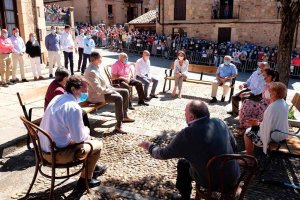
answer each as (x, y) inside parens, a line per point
(252, 134)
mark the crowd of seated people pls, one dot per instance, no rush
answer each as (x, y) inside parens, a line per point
(263, 110)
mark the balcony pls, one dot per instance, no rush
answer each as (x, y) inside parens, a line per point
(224, 12)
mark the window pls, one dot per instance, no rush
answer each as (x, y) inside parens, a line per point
(110, 11)
(179, 9)
(8, 15)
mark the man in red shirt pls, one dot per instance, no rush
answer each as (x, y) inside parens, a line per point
(57, 86)
(6, 49)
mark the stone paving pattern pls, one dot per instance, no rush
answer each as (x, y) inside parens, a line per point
(132, 173)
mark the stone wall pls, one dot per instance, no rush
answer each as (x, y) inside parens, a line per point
(255, 21)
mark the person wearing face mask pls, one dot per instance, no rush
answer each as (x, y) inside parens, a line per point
(6, 48)
(225, 73)
(142, 71)
(99, 91)
(251, 89)
(196, 144)
(17, 55)
(67, 45)
(181, 66)
(255, 109)
(79, 47)
(33, 49)
(120, 72)
(70, 133)
(52, 42)
(88, 47)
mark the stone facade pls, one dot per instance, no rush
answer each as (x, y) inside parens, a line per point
(99, 10)
(252, 21)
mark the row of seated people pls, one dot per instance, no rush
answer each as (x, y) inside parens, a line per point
(202, 139)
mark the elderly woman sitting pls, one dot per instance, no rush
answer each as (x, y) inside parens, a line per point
(275, 117)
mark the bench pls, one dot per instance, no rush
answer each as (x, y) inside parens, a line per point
(201, 69)
(28, 97)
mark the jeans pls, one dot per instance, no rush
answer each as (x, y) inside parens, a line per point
(69, 57)
(80, 53)
(146, 83)
(84, 62)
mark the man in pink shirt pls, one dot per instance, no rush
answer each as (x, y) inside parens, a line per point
(6, 49)
(121, 75)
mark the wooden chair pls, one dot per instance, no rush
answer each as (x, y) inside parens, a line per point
(40, 162)
(248, 165)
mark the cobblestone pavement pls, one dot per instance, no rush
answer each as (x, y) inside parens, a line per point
(132, 173)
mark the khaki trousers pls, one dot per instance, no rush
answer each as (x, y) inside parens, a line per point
(17, 59)
(54, 58)
(216, 84)
(5, 62)
(68, 155)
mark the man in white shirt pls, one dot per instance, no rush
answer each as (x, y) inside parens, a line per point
(142, 69)
(251, 89)
(70, 132)
(79, 47)
(67, 44)
(18, 55)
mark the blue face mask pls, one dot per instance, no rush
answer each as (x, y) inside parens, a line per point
(126, 61)
(83, 97)
(226, 62)
(258, 70)
(5, 35)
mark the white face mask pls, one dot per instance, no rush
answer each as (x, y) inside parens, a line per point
(267, 94)
(180, 57)
(147, 57)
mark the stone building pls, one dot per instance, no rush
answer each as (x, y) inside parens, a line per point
(107, 11)
(27, 15)
(254, 21)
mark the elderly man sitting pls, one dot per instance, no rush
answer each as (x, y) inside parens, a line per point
(225, 73)
(120, 71)
(275, 117)
(203, 139)
(252, 89)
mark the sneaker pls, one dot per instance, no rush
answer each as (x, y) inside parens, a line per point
(51, 76)
(24, 80)
(143, 103)
(213, 100)
(223, 99)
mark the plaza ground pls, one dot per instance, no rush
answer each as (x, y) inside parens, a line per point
(132, 173)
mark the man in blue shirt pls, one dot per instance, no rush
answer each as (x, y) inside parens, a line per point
(18, 55)
(88, 47)
(225, 73)
(252, 89)
(52, 42)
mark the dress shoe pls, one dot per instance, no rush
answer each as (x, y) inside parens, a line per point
(91, 182)
(213, 100)
(147, 98)
(51, 76)
(99, 171)
(127, 120)
(119, 130)
(78, 70)
(35, 78)
(131, 108)
(24, 80)
(223, 99)
(143, 103)
(153, 96)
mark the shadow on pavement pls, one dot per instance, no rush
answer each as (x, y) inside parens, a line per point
(25, 160)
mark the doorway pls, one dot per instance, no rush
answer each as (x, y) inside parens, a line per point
(224, 35)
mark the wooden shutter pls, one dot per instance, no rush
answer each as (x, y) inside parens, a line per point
(179, 9)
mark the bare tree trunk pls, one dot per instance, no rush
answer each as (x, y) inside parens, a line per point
(289, 16)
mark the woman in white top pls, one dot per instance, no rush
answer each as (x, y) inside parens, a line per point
(275, 117)
(181, 66)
